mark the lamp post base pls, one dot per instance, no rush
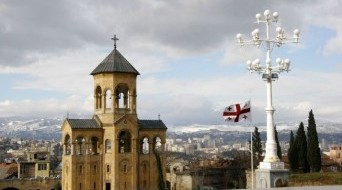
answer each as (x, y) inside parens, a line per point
(271, 174)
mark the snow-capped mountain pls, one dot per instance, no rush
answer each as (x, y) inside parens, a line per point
(44, 128)
(322, 127)
(50, 128)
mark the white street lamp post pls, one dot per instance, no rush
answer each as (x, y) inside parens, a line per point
(269, 72)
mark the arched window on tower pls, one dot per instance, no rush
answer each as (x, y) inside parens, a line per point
(93, 147)
(122, 96)
(67, 145)
(157, 144)
(134, 100)
(124, 142)
(108, 99)
(80, 146)
(145, 146)
(98, 97)
(108, 146)
(121, 100)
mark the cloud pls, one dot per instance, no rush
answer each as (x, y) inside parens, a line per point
(43, 27)
(326, 15)
(176, 28)
(62, 73)
(180, 109)
(235, 54)
(57, 52)
(294, 95)
(47, 107)
(184, 102)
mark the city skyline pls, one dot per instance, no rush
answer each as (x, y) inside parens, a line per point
(186, 52)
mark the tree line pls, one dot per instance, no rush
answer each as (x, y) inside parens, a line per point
(304, 153)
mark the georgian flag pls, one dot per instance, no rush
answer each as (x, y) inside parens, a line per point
(234, 113)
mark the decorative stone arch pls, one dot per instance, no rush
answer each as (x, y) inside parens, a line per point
(98, 97)
(67, 145)
(81, 145)
(145, 145)
(279, 182)
(122, 96)
(124, 139)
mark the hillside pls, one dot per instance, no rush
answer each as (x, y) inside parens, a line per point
(315, 179)
(49, 128)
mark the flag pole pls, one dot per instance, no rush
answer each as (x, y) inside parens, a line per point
(252, 160)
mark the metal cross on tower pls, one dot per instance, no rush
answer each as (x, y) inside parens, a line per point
(115, 39)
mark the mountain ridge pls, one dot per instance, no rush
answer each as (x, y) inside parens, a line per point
(50, 128)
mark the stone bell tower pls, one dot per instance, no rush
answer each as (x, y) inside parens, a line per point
(115, 149)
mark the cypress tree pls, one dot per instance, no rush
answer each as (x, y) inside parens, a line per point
(161, 185)
(301, 147)
(279, 153)
(257, 146)
(292, 155)
(314, 152)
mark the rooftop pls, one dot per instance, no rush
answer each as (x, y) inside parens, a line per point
(115, 63)
(152, 124)
(83, 123)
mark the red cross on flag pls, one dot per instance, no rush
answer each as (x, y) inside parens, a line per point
(234, 113)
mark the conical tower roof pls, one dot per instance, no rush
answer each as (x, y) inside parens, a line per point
(115, 63)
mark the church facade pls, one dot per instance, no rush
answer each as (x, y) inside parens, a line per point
(114, 150)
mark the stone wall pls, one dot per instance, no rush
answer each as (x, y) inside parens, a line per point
(29, 184)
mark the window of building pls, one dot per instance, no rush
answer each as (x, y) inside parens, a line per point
(157, 144)
(80, 146)
(125, 168)
(98, 95)
(145, 168)
(108, 168)
(67, 144)
(80, 169)
(108, 99)
(107, 186)
(145, 146)
(23, 169)
(94, 169)
(122, 96)
(124, 142)
(93, 147)
(108, 146)
(42, 166)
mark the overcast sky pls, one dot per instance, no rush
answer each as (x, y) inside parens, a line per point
(190, 65)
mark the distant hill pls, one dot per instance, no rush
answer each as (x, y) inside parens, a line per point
(50, 128)
(39, 129)
(331, 132)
